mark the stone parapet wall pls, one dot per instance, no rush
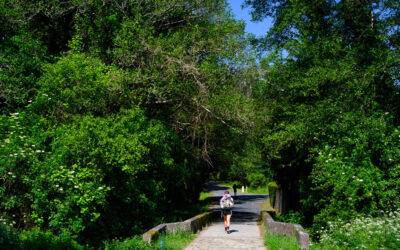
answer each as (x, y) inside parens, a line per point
(154, 232)
(193, 225)
(286, 229)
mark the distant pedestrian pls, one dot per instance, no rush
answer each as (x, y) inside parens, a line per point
(226, 204)
(235, 189)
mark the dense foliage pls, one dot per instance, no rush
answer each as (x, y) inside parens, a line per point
(113, 112)
(330, 91)
(35, 239)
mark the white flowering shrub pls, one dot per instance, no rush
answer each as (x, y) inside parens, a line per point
(362, 233)
(356, 174)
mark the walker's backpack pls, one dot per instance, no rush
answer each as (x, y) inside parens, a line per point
(227, 203)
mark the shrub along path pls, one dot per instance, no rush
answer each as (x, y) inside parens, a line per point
(245, 232)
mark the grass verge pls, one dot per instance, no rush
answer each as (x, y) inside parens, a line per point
(203, 199)
(258, 190)
(278, 242)
(167, 241)
(174, 241)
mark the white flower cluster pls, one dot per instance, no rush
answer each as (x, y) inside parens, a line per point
(17, 144)
(15, 116)
(4, 221)
(74, 182)
(363, 230)
(63, 174)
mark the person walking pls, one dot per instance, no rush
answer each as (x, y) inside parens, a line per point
(234, 189)
(226, 204)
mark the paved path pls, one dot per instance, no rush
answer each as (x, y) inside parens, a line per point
(245, 232)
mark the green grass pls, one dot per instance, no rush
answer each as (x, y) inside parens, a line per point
(204, 196)
(167, 241)
(132, 243)
(278, 242)
(258, 190)
(172, 241)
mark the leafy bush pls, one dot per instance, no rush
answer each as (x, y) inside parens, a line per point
(99, 177)
(104, 159)
(35, 239)
(357, 174)
(291, 216)
(78, 84)
(94, 166)
(21, 151)
(256, 179)
(21, 58)
(362, 233)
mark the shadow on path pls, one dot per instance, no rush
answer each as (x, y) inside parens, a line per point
(212, 186)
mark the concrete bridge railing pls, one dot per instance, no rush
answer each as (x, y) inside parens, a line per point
(286, 229)
(193, 225)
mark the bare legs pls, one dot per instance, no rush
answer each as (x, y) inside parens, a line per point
(227, 222)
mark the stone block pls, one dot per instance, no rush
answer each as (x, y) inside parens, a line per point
(286, 229)
(280, 228)
(175, 227)
(303, 239)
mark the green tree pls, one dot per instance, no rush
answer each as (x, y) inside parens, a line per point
(121, 110)
(331, 76)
